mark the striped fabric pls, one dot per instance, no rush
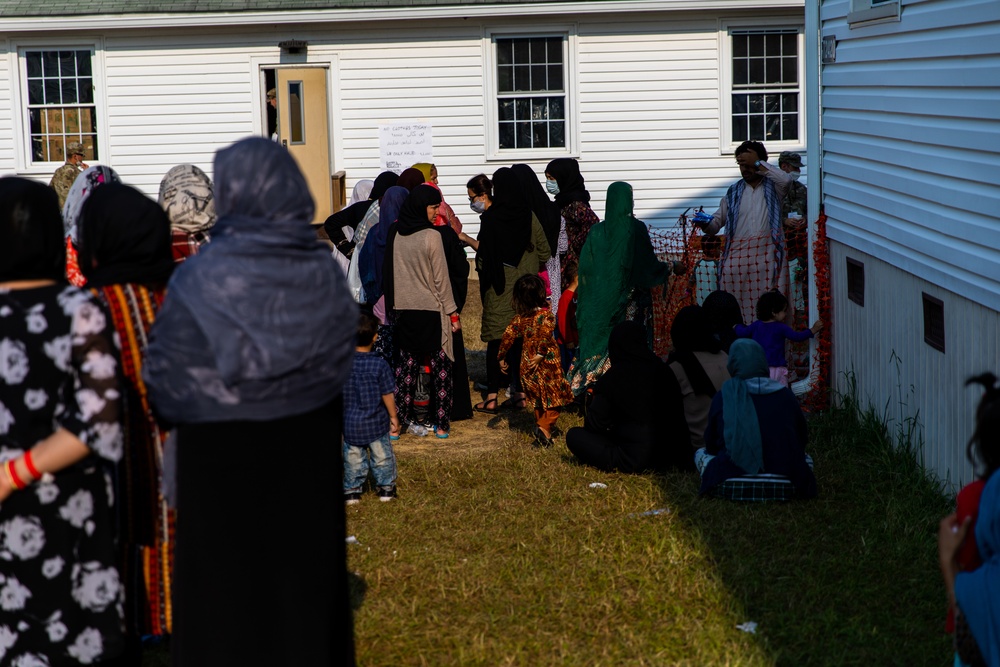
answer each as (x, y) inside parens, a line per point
(147, 523)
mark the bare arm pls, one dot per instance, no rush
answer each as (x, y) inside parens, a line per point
(390, 404)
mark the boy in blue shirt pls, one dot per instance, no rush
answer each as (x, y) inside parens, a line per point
(369, 418)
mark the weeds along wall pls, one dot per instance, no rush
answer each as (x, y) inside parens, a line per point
(881, 344)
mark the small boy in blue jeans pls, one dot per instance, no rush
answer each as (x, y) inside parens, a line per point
(369, 418)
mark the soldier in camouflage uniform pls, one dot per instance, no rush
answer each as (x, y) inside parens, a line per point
(63, 179)
(793, 213)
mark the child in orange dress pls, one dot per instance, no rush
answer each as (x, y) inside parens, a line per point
(542, 378)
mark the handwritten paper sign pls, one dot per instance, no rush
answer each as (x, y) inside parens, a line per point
(402, 145)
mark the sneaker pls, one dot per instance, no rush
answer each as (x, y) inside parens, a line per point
(352, 498)
(386, 495)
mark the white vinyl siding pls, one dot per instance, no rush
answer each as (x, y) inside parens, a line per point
(7, 154)
(925, 383)
(911, 142)
(646, 95)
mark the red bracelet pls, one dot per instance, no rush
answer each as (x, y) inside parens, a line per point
(454, 317)
(14, 479)
(30, 465)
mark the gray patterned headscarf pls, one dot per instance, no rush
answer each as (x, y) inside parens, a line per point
(186, 196)
(89, 178)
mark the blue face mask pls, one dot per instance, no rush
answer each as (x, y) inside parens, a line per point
(552, 186)
(478, 206)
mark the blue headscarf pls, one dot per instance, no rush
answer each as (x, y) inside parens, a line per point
(748, 367)
(256, 325)
(373, 251)
(978, 592)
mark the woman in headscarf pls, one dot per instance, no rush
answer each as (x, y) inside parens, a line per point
(354, 215)
(186, 195)
(635, 420)
(564, 180)
(125, 255)
(351, 248)
(85, 183)
(420, 297)
(755, 425)
(547, 214)
(617, 268)
(372, 254)
(699, 365)
(446, 215)
(60, 405)
(248, 358)
(362, 191)
(511, 244)
(411, 178)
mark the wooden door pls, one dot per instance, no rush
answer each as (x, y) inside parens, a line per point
(304, 129)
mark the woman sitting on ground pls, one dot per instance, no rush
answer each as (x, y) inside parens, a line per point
(635, 420)
(755, 425)
(699, 366)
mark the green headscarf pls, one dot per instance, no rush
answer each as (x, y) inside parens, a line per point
(425, 168)
(741, 429)
(617, 257)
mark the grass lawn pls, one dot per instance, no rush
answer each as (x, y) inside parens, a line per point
(500, 554)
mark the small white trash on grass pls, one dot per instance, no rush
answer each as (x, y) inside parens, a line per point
(750, 627)
(352, 540)
(598, 485)
(662, 510)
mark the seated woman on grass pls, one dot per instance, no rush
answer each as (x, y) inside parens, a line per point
(755, 426)
(635, 419)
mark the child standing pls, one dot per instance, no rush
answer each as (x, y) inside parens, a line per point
(541, 374)
(370, 419)
(958, 542)
(771, 332)
(566, 332)
(706, 272)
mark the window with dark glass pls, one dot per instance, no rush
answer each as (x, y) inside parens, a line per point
(61, 109)
(765, 94)
(531, 92)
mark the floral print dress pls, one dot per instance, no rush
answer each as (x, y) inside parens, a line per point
(61, 596)
(545, 384)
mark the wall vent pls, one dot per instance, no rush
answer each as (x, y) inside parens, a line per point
(933, 322)
(856, 281)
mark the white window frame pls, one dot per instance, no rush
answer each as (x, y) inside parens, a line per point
(726, 144)
(19, 99)
(867, 12)
(491, 92)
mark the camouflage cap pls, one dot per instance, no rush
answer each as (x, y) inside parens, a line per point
(75, 148)
(790, 157)
(272, 93)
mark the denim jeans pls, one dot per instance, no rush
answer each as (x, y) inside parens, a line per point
(382, 464)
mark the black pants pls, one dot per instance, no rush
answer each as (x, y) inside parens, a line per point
(495, 378)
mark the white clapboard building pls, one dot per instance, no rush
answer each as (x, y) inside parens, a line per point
(654, 92)
(908, 141)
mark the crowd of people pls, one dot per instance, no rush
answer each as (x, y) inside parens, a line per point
(156, 356)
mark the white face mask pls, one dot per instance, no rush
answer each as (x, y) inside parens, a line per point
(552, 186)
(795, 175)
(478, 206)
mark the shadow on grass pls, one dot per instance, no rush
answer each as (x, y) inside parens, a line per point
(849, 578)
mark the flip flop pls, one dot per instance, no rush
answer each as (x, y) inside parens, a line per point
(440, 436)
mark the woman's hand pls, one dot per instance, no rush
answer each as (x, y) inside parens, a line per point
(456, 325)
(816, 327)
(6, 488)
(503, 365)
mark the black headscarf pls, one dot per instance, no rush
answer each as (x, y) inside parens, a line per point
(723, 312)
(412, 218)
(124, 238)
(411, 178)
(32, 241)
(505, 233)
(383, 182)
(543, 208)
(566, 171)
(691, 333)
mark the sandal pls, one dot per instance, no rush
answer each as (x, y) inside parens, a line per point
(485, 406)
(440, 433)
(514, 403)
